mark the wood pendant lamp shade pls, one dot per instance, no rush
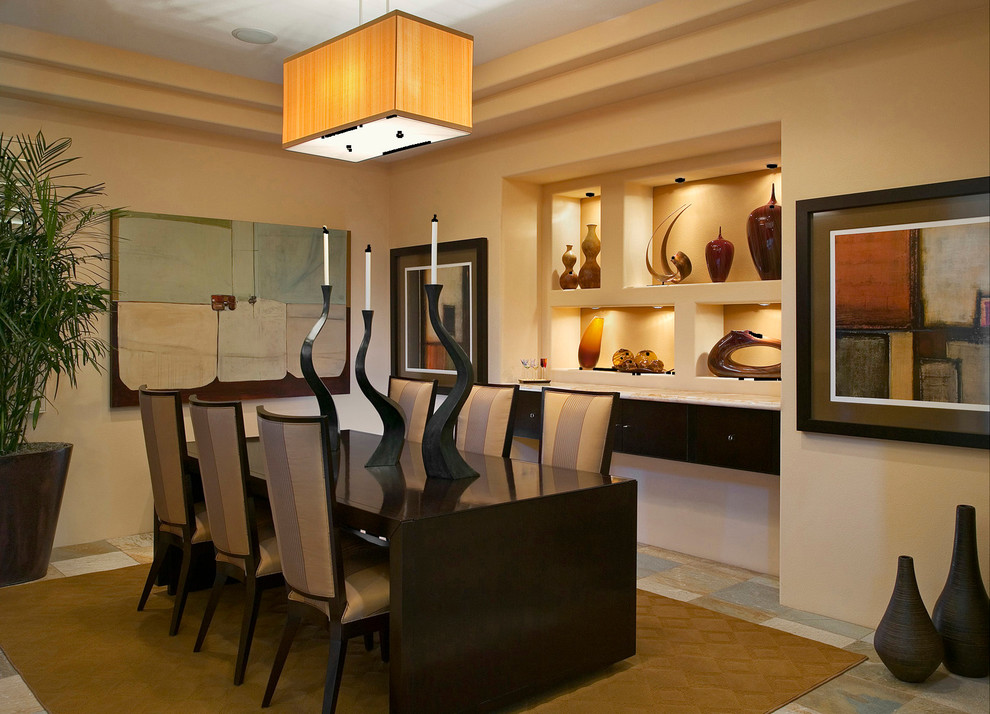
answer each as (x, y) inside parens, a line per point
(390, 84)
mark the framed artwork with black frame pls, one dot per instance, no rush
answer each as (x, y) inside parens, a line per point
(462, 269)
(893, 314)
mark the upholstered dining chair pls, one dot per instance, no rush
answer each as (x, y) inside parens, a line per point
(182, 524)
(243, 534)
(484, 425)
(577, 429)
(416, 398)
(338, 579)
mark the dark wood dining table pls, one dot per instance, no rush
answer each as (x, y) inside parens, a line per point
(501, 585)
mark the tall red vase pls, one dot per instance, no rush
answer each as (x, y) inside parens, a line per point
(763, 232)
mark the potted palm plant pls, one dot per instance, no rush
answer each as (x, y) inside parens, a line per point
(51, 295)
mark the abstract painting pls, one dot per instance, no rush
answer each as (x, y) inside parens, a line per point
(893, 320)
(906, 314)
(220, 308)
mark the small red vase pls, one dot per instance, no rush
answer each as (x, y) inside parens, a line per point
(718, 255)
(763, 232)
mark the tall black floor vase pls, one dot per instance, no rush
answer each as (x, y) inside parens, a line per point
(962, 613)
(393, 423)
(906, 640)
(323, 396)
(440, 455)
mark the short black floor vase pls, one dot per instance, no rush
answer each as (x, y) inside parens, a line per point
(906, 640)
(962, 613)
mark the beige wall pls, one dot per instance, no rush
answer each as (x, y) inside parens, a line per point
(899, 109)
(147, 167)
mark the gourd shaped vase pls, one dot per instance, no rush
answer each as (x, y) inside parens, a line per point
(763, 232)
(568, 280)
(590, 346)
(590, 275)
(906, 640)
(962, 612)
(718, 255)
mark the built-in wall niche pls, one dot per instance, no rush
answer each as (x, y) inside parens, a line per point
(714, 321)
(722, 189)
(573, 211)
(725, 203)
(631, 328)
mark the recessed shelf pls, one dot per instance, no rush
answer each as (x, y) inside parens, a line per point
(680, 322)
(750, 291)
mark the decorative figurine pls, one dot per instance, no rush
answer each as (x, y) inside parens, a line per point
(682, 264)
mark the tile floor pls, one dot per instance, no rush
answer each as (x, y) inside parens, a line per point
(866, 689)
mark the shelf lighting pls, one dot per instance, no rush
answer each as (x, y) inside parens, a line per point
(391, 84)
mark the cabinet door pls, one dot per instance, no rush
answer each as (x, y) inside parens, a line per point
(747, 439)
(527, 420)
(657, 429)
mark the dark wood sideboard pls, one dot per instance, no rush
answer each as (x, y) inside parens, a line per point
(730, 437)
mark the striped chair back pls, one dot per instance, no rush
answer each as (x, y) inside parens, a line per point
(416, 398)
(165, 441)
(219, 431)
(484, 425)
(577, 429)
(300, 487)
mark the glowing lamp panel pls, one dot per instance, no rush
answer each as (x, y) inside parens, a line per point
(376, 138)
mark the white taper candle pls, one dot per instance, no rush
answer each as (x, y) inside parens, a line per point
(326, 256)
(433, 252)
(367, 277)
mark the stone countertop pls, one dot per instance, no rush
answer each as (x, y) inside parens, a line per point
(747, 401)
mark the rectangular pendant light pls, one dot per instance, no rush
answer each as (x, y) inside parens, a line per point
(391, 84)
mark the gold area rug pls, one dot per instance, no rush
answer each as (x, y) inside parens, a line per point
(81, 646)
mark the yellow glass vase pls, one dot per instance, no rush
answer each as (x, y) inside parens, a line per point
(590, 346)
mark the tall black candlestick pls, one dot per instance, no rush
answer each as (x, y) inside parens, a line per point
(440, 455)
(323, 396)
(389, 448)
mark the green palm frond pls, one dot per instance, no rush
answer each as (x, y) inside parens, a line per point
(51, 282)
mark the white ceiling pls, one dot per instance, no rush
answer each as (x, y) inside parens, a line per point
(197, 32)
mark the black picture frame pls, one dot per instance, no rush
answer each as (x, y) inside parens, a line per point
(408, 307)
(820, 407)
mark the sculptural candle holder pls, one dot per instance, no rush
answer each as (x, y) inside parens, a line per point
(394, 424)
(440, 455)
(323, 397)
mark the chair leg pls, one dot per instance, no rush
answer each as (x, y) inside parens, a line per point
(292, 623)
(369, 641)
(335, 667)
(383, 636)
(182, 589)
(252, 602)
(211, 606)
(156, 565)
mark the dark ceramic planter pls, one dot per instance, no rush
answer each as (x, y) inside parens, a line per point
(32, 483)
